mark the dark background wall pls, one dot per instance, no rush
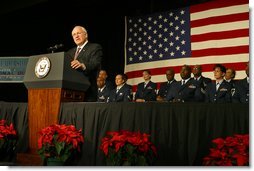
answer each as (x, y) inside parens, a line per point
(30, 27)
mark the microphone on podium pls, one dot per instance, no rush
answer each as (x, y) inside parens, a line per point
(55, 47)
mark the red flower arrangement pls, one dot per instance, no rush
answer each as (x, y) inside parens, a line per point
(232, 151)
(59, 142)
(8, 139)
(128, 148)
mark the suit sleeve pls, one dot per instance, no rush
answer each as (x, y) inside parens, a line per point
(95, 58)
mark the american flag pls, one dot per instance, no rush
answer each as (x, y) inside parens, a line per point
(205, 34)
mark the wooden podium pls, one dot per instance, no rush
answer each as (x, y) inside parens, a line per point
(50, 80)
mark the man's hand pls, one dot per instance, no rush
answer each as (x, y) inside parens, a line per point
(75, 64)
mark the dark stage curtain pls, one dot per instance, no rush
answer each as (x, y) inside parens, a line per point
(16, 113)
(182, 132)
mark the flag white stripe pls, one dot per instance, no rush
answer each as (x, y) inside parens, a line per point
(220, 12)
(220, 27)
(162, 78)
(234, 58)
(220, 43)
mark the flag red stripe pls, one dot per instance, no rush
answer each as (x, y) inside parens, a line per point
(177, 69)
(216, 4)
(220, 19)
(220, 35)
(220, 51)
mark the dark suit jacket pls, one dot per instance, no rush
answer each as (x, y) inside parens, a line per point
(222, 95)
(123, 95)
(241, 94)
(189, 92)
(91, 56)
(164, 88)
(147, 93)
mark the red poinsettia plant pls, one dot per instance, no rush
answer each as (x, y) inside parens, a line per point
(231, 151)
(59, 141)
(128, 148)
(8, 138)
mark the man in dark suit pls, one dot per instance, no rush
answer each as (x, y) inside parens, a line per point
(166, 86)
(220, 90)
(241, 94)
(122, 91)
(146, 90)
(87, 58)
(186, 90)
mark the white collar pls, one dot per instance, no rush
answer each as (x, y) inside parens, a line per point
(82, 45)
(101, 89)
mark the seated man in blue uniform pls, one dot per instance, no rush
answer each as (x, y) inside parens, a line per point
(186, 90)
(104, 74)
(220, 90)
(241, 94)
(197, 73)
(166, 86)
(146, 90)
(103, 90)
(122, 92)
(230, 76)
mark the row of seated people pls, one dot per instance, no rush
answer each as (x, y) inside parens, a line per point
(190, 89)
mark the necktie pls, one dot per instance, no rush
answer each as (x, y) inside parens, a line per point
(183, 82)
(144, 85)
(117, 90)
(77, 53)
(217, 86)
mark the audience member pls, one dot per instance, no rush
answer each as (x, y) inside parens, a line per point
(241, 94)
(146, 91)
(122, 92)
(103, 90)
(220, 90)
(197, 73)
(230, 76)
(186, 90)
(165, 87)
(104, 75)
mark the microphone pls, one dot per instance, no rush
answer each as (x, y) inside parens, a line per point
(55, 47)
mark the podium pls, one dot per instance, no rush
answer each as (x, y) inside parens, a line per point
(50, 80)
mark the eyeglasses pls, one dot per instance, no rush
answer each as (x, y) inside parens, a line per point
(77, 34)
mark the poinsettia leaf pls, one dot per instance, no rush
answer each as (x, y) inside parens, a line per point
(59, 147)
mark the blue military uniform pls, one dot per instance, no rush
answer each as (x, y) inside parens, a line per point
(165, 87)
(222, 95)
(121, 95)
(203, 82)
(241, 94)
(103, 94)
(148, 92)
(188, 92)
